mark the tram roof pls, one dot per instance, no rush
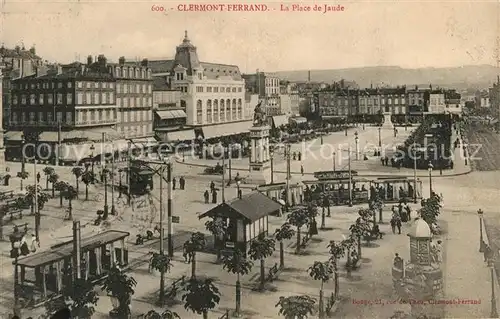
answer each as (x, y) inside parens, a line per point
(65, 250)
(336, 180)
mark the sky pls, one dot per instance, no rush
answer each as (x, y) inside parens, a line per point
(409, 34)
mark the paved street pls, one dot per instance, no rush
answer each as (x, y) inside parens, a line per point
(462, 195)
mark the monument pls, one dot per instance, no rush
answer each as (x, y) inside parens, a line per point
(387, 121)
(419, 282)
(259, 148)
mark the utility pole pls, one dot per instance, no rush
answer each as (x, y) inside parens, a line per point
(162, 239)
(113, 180)
(350, 177)
(169, 209)
(414, 173)
(223, 172)
(105, 175)
(76, 250)
(37, 213)
(288, 173)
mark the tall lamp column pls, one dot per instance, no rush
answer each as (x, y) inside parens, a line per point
(92, 149)
(15, 240)
(271, 155)
(494, 311)
(430, 167)
(379, 137)
(356, 140)
(481, 240)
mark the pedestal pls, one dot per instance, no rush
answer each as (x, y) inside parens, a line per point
(260, 159)
(387, 121)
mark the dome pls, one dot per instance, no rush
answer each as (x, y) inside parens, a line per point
(420, 229)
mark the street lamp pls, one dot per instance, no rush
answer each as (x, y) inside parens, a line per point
(271, 155)
(494, 312)
(238, 193)
(346, 130)
(356, 140)
(92, 149)
(105, 177)
(379, 138)
(430, 167)
(15, 240)
(350, 176)
(414, 173)
(23, 159)
(481, 240)
(170, 243)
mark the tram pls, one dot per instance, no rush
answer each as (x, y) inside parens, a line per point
(141, 178)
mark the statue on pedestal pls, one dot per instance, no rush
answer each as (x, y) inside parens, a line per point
(259, 117)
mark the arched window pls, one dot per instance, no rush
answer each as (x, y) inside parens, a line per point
(240, 109)
(228, 110)
(209, 111)
(222, 115)
(233, 110)
(215, 112)
(199, 112)
(125, 72)
(118, 73)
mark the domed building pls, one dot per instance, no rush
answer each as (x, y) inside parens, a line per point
(212, 94)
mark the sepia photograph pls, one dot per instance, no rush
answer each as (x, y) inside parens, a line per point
(257, 160)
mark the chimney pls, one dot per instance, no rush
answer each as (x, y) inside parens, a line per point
(89, 60)
(144, 62)
(121, 60)
(32, 50)
(101, 59)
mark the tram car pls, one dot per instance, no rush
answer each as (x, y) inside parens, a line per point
(141, 178)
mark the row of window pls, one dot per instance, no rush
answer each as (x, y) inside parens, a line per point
(93, 116)
(42, 117)
(374, 101)
(220, 117)
(272, 82)
(133, 88)
(134, 101)
(216, 89)
(217, 103)
(130, 72)
(95, 98)
(41, 99)
(94, 85)
(364, 110)
(135, 130)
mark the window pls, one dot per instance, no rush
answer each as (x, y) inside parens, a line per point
(228, 90)
(69, 117)
(240, 89)
(70, 85)
(79, 85)
(118, 73)
(59, 117)
(32, 86)
(209, 89)
(111, 85)
(32, 99)
(59, 98)
(144, 88)
(69, 98)
(96, 98)
(118, 102)
(32, 116)
(216, 89)
(79, 98)
(23, 117)
(234, 90)
(103, 98)
(59, 85)
(14, 99)
(88, 85)
(40, 99)
(199, 112)
(199, 89)
(96, 85)
(125, 88)
(50, 98)
(125, 102)
(14, 117)
(88, 98)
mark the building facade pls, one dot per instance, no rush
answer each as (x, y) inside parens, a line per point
(436, 102)
(267, 87)
(134, 98)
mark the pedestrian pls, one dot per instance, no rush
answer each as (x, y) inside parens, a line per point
(302, 170)
(294, 156)
(240, 193)
(174, 181)
(38, 176)
(212, 186)
(214, 197)
(393, 225)
(326, 204)
(206, 195)
(398, 225)
(382, 160)
(185, 251)
(299, 156)
(182, 182)
(488, 253)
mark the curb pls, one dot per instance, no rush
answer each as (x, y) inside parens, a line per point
(312, 174)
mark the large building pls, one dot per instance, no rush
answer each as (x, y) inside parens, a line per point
(17, 62)
(212, 94)
(267, 87)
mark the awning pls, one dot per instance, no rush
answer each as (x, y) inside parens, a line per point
(13, 135)
(94, 134)
(78, 151)
(280, 120)
(298, 120)
(226, 129)
(173, 114)
(144, 142)
(180, 136)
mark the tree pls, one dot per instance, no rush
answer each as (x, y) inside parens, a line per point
(260, 249)
(121, 287)
(79, 297)
(237, 264)
(296, 307)
(377, 205)
(298, 218)
(53, 179)
(70, 194)
(161, 263)
(87, 179)
(201, 296)
(321, 271)
(22, 175)
(167, 314)
(48, 171)
(78, 172)
(217, 226)
(349, 246)
(196, 243)
(285, 232)
(42, 199)
(336, 251)
(431, 208)
(61, 187)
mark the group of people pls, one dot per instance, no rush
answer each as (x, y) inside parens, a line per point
(400, 214)
(182, 183)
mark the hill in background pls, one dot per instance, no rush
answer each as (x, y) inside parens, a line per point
(469, 76)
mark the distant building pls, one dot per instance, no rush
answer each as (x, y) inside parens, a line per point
(267, 87)
(212, 94)
(494, 94)
(482, 99)
(436, 102)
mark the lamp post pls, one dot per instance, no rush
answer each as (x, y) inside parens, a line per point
(350, 177)
(430, 167)
(363, 122)
(379, 137)
(481, 240)
(414, 173)
(105, 177)
(15, 240)
(271, 155)
(113, 181)
(356, 140)
(92, 149)
(494, 312)
(346, 130)
(23, 159)
(238, 194)
(288, 173)
(129, 173)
